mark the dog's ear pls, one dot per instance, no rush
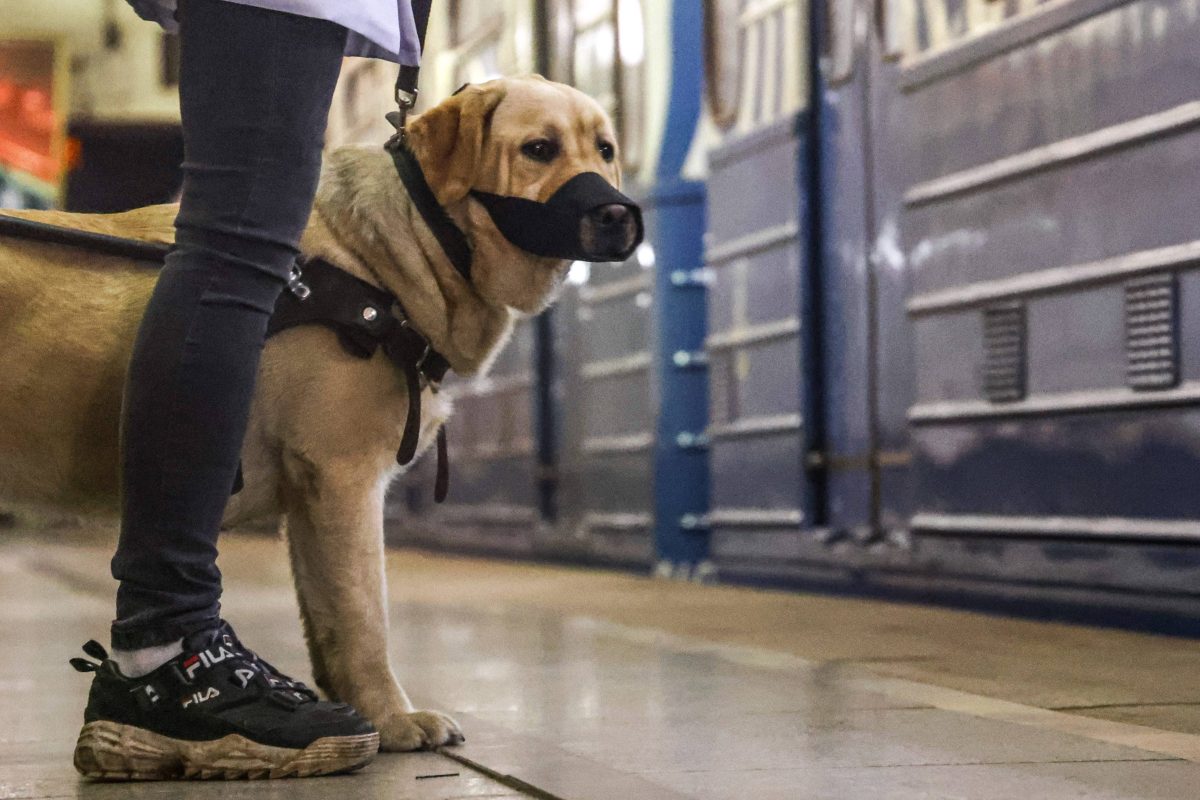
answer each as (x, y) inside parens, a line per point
(448, 140)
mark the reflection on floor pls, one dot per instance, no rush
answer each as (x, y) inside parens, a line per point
(598, 685)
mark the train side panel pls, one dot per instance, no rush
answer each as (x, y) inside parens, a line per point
(1048, 239)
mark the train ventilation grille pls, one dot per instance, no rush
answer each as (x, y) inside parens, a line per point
(1004, 353)
(1152, 332)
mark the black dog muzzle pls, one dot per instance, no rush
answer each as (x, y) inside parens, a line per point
(587, 219)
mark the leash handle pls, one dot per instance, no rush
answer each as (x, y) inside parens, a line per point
(406, 80)
(120, 246)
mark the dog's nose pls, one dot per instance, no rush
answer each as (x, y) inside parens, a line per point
(613, 215)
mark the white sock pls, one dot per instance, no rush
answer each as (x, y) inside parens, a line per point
(144, 660)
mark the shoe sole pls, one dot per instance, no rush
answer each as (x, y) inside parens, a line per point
(109, 751)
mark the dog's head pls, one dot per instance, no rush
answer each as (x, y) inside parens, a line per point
(523, 138)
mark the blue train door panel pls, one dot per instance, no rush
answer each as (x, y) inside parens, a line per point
(866, 336)
(756, 251)
(894, 131)
(845, 457)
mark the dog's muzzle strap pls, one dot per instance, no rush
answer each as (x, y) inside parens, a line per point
(554, 228)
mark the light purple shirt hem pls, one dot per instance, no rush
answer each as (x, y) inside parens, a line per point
(378, 28)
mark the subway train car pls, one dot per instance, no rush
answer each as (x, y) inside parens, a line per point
(915, 312)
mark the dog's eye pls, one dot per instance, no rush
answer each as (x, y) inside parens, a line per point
(542, 150)
(607, 151)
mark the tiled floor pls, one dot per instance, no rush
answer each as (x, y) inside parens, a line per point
(601, 686)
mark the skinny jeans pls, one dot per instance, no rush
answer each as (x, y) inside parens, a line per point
(254, 94)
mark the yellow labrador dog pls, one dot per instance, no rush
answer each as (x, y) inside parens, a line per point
(324, 429)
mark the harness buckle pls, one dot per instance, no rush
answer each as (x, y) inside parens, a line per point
(297, 286)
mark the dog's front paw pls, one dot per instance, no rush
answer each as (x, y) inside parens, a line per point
(418, 730)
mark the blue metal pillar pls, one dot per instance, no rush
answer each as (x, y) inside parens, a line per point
(681, 367)
(681, 452)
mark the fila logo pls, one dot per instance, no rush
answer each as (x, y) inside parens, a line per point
(200, 697)
(150, 693)
(245, 675)
(205, 658)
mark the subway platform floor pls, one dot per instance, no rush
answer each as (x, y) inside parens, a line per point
(595, 685)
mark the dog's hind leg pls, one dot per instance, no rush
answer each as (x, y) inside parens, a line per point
(335, 534)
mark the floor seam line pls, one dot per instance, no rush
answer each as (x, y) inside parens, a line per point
(511, 781)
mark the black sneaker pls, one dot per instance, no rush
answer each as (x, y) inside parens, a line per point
(215, 711)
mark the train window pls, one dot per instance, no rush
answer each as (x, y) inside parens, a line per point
(468, 20)
(722, 57)
(891, 26)
(757, 50)
(837, 41)
(560, 30)
(925, 26)
(631, 47)
(475, 34)
(598, 46)
(595, 47)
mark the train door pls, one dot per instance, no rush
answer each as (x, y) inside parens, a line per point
(895, 134)
(603, 327)
(874, 131)
(866, 140)
(761, 373)
(844, 456)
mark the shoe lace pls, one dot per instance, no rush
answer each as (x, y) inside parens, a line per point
(275, 678)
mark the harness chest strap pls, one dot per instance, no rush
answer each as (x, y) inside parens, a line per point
(320, 293)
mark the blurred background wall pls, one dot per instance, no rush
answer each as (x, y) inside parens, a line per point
(114, 138)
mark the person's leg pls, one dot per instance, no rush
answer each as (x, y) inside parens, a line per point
(255, 88)
(255, 92)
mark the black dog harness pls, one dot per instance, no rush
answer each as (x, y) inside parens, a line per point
(367, 318)
(364, 317)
